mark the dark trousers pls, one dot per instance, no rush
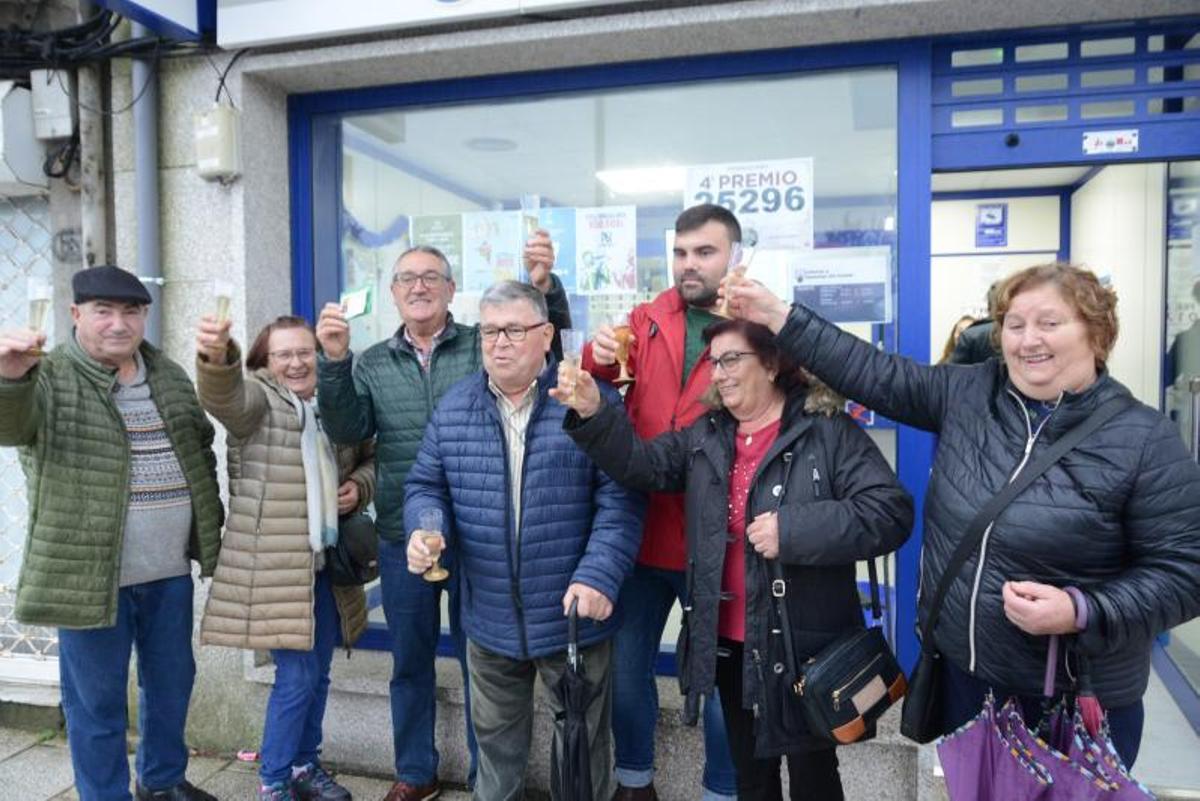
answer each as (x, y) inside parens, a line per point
(155, 620)
(963, 696)
(812, 775)
(413, 610)
(502, 711)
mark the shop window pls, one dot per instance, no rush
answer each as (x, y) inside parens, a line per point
(1099, 48)
(1107, 108)
(974, 118)
(1173, 105)
(1049, 82)
(985, 86)
(1158, 43)
(611, 170)
(987, 56)
(1172, 74)
(1054, 113)
(1050, 51)
(1095, 79)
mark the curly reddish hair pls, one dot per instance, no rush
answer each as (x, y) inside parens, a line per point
(1094, 303)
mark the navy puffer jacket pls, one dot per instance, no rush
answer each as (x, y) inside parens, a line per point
(577, 524)
(1118, 516)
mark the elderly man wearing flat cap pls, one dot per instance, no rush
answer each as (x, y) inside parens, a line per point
(123, 495)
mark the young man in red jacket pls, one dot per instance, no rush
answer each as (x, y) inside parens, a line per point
(665, 359)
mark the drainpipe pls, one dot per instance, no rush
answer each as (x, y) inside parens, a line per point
(144, 81)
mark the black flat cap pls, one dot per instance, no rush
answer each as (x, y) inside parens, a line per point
(109, 283)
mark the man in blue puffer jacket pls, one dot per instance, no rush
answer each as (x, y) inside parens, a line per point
(534, 526)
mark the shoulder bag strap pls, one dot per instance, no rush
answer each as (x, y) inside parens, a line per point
(979, 525)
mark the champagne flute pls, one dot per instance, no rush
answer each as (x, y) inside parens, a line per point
(572, 344)
(623, 334)
(530, 205)
(223, 292)
(40, 295)
(431, 534)
(740, 257)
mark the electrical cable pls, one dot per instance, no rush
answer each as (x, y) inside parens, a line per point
(75, 97)
(221, 84)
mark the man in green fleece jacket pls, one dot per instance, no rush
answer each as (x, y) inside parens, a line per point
(122, 484)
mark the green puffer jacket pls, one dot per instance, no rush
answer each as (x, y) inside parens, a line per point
(75, 454)
(387, 395)
(384, 393)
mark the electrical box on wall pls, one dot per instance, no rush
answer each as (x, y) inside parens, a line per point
(218, 153)
(21, 155)
(51, 104)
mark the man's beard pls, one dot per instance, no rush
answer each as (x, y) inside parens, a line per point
(703, 297)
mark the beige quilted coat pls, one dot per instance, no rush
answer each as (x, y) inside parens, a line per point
(262, 591)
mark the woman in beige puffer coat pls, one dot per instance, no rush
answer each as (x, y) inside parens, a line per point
(270, 590)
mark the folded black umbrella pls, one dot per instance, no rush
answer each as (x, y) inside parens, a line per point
(571, 774)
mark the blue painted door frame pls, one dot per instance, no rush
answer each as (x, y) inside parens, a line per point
(924, 144)
(315, 148)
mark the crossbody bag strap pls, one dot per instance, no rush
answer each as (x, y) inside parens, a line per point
(979, 525)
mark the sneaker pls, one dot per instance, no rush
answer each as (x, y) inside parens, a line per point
(403, 791)
(184, 791)
(646, 793)
(280, 791)
(313, 783)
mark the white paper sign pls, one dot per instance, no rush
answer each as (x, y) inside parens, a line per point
(846, 285)
(772, 199)
(1101, 142)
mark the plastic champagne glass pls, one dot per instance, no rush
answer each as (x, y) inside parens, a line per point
(623, 334)
(431, 533)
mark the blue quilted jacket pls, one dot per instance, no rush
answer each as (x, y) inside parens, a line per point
(577, 524)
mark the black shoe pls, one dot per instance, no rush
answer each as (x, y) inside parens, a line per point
(184, 791)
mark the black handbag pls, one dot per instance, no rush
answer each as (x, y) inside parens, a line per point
(849, 683)
(922, 716)
(354, 560)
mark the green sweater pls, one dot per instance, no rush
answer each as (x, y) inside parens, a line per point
(75, 453)
(386, 395)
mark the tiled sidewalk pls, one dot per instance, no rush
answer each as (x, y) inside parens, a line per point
(38, 768)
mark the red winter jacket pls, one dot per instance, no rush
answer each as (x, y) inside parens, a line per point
(657, 402)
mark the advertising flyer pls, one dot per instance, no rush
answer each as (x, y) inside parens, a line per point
(444, 232)
(560, 224)
(772, 199)
(606, 247)
(846, 285)
(492, 245)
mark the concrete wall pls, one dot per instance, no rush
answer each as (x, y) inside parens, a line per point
(241, 231)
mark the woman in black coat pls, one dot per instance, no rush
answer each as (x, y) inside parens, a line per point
(1103, 547)
(774, 472)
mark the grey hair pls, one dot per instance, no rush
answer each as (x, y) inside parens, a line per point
(505, 292)
(428, 249)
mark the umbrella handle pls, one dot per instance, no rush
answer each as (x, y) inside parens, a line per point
(573, 634)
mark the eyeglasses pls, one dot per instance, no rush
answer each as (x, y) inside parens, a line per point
(303, 354)
(730, 360)
(428, 280)
(515, 333)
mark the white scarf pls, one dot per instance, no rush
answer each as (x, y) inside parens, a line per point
(320, 462)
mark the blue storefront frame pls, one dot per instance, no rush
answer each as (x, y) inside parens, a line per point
(314, 163)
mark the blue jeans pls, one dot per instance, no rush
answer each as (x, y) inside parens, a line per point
(296, 708)
(155, 618)
(963, 696)
(412, 607)
(646, 599)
